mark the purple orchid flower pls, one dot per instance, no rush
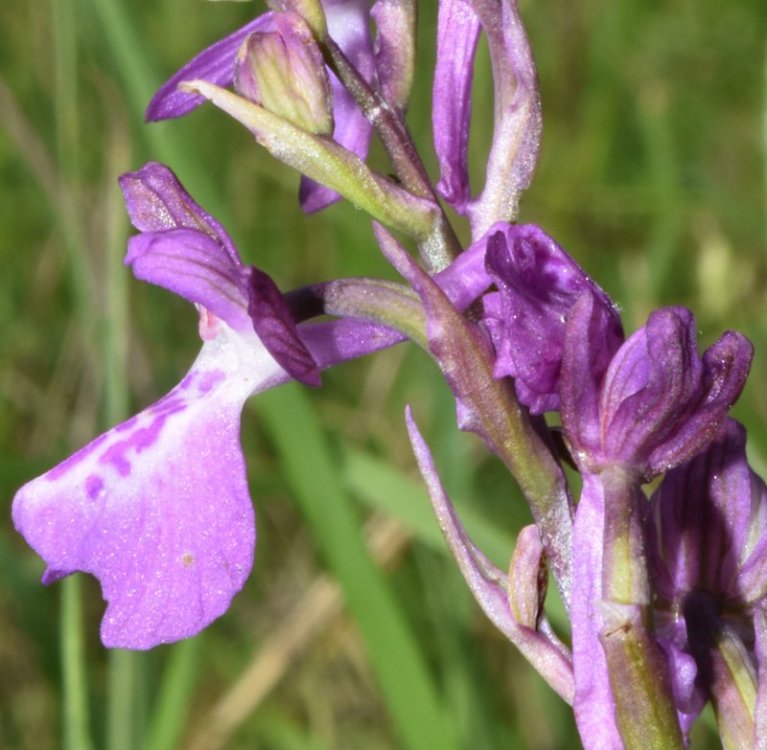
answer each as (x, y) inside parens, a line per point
(348, 25)
(658, 402)
(707, 548)
(158, 508)
(629, 415)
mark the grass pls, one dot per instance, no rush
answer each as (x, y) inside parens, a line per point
(652, 174)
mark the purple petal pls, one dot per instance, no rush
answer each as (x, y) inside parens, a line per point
(587, 348)
(158, 507)
(726, 365)
(348, 25)
(538, 284)
(274, 324)
(708, 524)
(661, 403)
(214, 64)
(331, 342)
(457, 34)
(490, 586)
(156, 201)
(194, 266)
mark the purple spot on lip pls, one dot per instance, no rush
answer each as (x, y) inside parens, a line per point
(210, 380)
(60, 470)
(140, 439)
(94, 484)
(126, 425)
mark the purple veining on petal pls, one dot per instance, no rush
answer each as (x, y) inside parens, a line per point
(214, 64)
(156, 201)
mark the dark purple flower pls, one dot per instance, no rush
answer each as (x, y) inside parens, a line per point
(538, 283)
(658, 402)
(348, 25)
(707, 551)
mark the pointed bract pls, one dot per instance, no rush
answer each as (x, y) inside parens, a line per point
(490, 586)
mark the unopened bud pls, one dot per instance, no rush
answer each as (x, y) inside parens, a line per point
(283, 71)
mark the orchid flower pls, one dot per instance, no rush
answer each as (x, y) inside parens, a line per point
(158, 508)
(347, 24)
(655, 405)
(707, 549)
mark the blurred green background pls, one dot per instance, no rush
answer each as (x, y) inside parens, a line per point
(355, 629)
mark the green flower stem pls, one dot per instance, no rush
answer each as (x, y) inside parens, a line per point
(641, 686)
(326, 162)
(624, 577)
(639, 678)
(444, 245)
(734, 689)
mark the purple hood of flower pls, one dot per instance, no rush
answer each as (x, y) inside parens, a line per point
(538, 284)
(658, 402)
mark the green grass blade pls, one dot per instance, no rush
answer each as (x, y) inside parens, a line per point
(314, 476)
(171, 706)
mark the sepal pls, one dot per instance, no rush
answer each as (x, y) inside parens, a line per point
(538, 284)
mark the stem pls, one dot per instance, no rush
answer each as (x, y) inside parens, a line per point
(443, 245)
(640, 683)
(638, 670)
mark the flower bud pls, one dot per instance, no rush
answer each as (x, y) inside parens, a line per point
(283, 71)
